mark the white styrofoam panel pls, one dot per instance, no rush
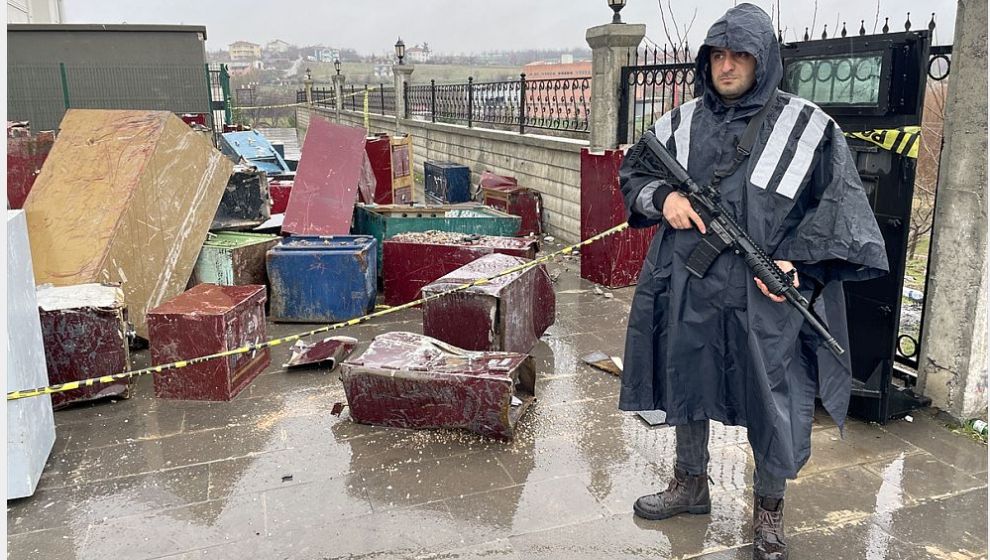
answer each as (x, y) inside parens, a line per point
(30, 422)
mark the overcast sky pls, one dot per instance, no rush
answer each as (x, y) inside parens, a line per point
(466, 26)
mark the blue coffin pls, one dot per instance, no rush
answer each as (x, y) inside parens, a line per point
(254, 149)
(446, 182)
(323, 279)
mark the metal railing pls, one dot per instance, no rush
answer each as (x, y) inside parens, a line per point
(555, 104)
(661, 80)
(381, 98)
(322, 97)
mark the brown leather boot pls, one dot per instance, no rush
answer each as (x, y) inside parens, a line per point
(684, 494)
(768, 529)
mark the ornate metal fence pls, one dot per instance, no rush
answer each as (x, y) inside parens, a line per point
(661, 80)
(322, 97)
(381, 98)
(556, 104)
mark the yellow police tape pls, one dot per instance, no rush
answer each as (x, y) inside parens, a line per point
(69, 386)
(904, 140)
(363, 92)
(270, 106)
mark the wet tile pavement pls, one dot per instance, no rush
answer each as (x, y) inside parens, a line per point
(273, 474)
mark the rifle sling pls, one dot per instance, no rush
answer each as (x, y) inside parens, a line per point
(744, 146)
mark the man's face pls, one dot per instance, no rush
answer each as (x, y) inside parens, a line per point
(733, 73)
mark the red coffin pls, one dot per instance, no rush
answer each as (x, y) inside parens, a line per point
(413, 260)
(406, 380)
(85, 332)
(508, 313)
(26, 153)
(205, 320)
(616, 260)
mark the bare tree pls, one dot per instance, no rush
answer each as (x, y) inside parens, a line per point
(677, 41)
(926, 177)
(814, 18)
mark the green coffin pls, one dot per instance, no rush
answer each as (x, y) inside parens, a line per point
(232, 258)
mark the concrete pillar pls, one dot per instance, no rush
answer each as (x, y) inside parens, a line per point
(402, 74)
(953, 361)
(338, 94)
(610, 45)
(308, 85)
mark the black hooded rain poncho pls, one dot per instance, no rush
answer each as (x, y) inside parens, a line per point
(716, 347)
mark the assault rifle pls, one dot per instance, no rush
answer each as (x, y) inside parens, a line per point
(724, 233)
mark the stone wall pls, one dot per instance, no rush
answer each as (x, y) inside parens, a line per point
(547, 164)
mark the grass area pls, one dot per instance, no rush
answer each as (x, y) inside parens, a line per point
(917, 267)
(966, 431)
(363, 73)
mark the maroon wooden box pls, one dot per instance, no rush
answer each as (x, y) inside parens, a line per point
(26, 153)
(279, 191)
(205, 320)
(503, 193)
(413, 260)
(616, 260)
(85, 333)
(407, 380)
(379, 150)
(508, 313)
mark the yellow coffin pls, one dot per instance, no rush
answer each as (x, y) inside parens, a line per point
(125, 196)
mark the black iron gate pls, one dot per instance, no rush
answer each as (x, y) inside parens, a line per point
(874, 83)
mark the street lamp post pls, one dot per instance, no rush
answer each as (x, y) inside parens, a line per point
(308, 83)
(616, 6)
(400, 50)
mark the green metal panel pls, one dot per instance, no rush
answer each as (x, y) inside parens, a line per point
(233, 239)
(383, 222)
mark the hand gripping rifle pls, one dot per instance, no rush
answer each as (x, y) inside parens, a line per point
(724, 233)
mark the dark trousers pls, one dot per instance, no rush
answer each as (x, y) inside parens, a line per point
(693, 457)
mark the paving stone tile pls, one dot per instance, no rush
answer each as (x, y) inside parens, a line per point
(176, 530)
(924, 477)
(499, 549)
(861, 443)
(61, 542)
(933, 436)
(524, 508)
(85, 504)
(416, 482)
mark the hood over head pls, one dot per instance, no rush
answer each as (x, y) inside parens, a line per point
(744, 28)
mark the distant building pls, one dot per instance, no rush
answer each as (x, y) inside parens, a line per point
(567, 92)
(326, 54)
(553, 70)
(243, 50)
(34, 11)
(242, 67)
(277, 46)
(383, 70)
(419, 53)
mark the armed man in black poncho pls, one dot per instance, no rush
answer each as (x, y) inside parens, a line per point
(722, 347)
